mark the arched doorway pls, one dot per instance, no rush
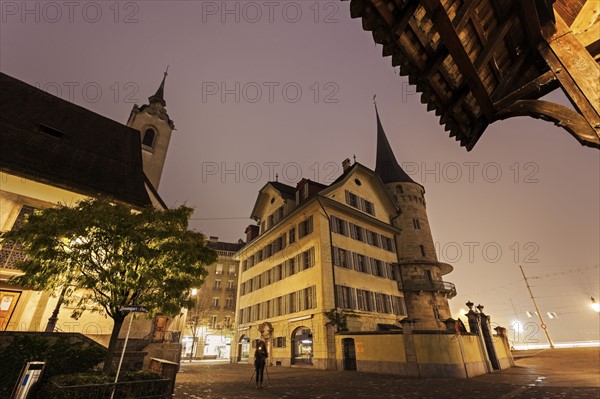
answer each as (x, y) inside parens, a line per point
(349, 353)
(302, 346)
(244, 349)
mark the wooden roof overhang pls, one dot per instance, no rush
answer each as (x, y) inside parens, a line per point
(479, 61)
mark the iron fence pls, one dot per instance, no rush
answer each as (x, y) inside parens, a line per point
(149, 389)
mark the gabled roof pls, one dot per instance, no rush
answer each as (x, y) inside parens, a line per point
(351, 170)
(50, 140)
(283, 189)
(386, 165)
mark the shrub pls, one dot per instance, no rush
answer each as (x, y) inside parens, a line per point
(61, 357)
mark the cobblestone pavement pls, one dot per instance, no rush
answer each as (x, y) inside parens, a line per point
(562, 373)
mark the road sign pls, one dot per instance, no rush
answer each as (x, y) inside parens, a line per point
(133, 309)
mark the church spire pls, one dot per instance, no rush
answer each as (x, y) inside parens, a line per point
(159, 95)
(386, 165)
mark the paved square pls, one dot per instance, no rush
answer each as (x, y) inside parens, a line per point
(562, 373)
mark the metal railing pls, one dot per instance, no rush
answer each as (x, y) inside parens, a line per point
(149, 389)
(427, 285)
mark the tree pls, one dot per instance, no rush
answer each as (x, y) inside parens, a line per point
(113, 257)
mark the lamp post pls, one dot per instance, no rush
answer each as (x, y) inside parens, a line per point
(194, 323)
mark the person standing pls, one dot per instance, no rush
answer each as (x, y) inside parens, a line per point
(260, 361)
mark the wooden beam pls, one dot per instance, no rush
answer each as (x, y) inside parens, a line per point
(484, 43)
(587, 16)
(531, 21)
(449, 36)
(589, 38)
(464, 14)
(501, 16)
(511, 77)
(577, 71)
(401, 44)
(562, 116)
(568, 9)
(537, 88)
(492, 45)
(407, 14)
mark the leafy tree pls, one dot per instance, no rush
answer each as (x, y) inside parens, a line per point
(113, 257)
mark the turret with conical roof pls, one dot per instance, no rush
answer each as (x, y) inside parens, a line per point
(386, 165)
(160, 92)
(425, 293)
(155, 126)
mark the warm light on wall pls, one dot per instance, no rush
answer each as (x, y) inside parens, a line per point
(595, 305)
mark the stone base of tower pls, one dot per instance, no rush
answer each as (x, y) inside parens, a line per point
(428, 310)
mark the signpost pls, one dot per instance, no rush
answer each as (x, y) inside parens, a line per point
(130, 309)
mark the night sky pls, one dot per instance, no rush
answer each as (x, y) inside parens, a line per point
(257, 90)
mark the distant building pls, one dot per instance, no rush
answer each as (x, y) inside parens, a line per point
(361, 247)
(209, 324)
(53, 151)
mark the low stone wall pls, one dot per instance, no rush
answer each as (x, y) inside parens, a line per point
(7, 337)
(167, 351)
(439, 354)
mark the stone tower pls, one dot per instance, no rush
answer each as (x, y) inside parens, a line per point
(425, 293)
(155, 128)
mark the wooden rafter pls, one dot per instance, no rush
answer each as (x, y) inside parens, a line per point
(562, 116)
(446, 29)
(477, 61)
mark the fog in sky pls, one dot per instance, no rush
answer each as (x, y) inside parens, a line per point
(257, 89)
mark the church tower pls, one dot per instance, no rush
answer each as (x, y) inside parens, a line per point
(155, 128)
(425, 293)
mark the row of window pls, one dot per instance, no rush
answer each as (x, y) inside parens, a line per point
(357, 299)
(291, 266)
(304, 228)
(364, 264)
(229, 304)
(219, 269)
(293, 302)
(360, 203)
(230, 285)
(362, 234)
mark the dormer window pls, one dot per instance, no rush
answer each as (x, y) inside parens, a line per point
(149, 138)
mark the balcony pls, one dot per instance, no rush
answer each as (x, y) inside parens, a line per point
(443, 287)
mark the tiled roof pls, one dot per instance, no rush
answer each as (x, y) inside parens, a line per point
(226, 246)
(283, 188)
(50, 140)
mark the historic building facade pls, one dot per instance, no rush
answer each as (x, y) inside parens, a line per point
(210, 322)
(341, 257)
(54, 152)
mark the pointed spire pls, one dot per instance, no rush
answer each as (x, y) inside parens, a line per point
(386, 165)
(159, 95)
